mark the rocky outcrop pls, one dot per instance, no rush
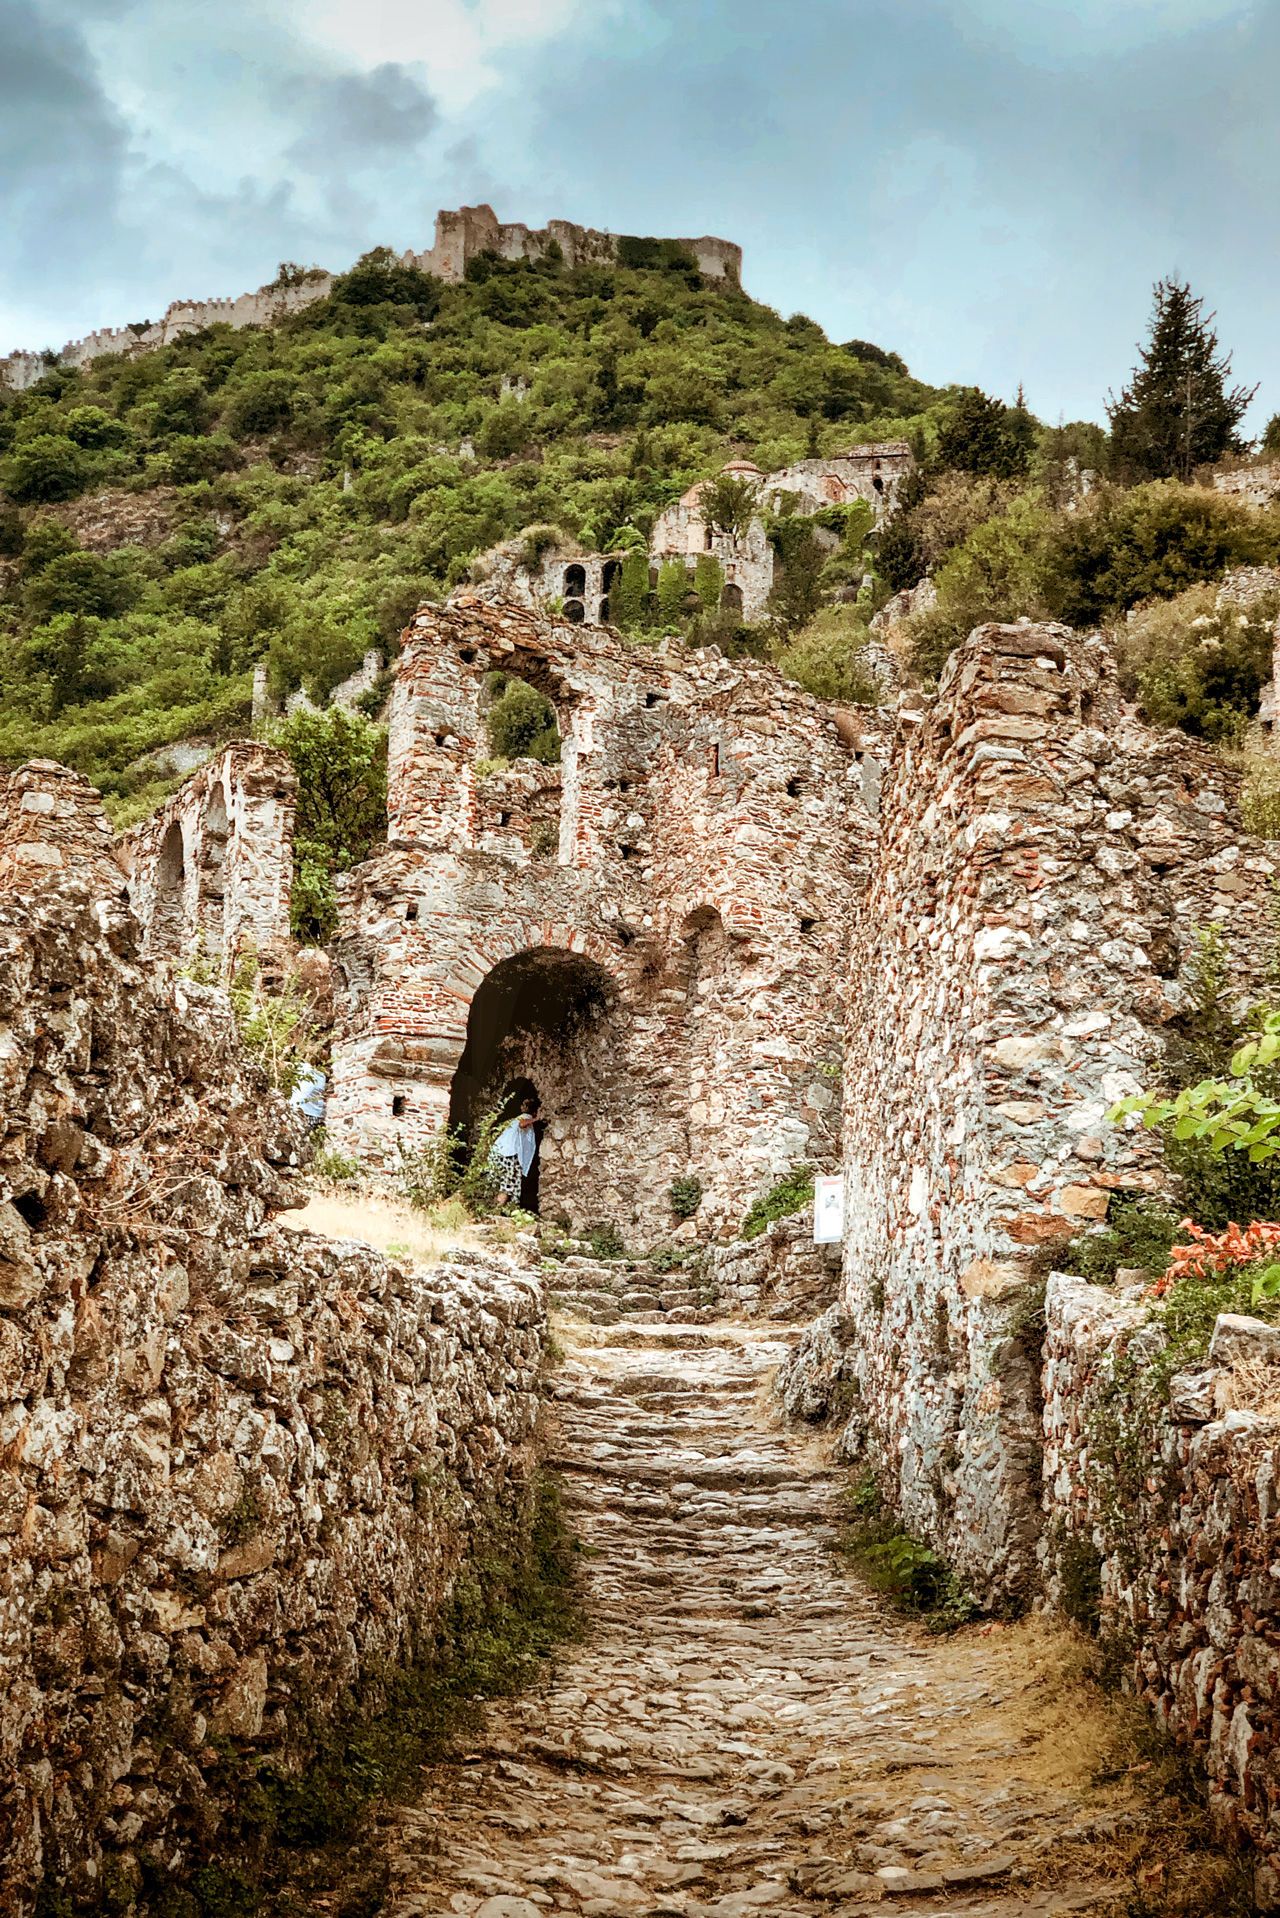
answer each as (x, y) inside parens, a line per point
(239, 1466)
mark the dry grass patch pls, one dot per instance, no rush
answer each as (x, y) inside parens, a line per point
(388, 1224)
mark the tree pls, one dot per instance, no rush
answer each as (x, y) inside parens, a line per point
(47, 467)
(1177, 412)
(728, 505)
(1271, 435)
(983, 435)
(340, 758)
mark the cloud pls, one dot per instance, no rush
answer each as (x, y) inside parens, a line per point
(988, 187)
(358, 118)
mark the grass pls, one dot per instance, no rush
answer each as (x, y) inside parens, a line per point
(389, 1225)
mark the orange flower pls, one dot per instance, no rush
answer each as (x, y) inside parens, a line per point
(1214, 1255)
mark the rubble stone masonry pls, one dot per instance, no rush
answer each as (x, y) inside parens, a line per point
(652, 934)
(1043, 866)
(1165, 1527)
(239, 1465)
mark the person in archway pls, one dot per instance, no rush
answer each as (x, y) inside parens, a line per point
(515, 1152)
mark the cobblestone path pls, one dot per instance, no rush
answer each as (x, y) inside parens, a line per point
(745, 1730)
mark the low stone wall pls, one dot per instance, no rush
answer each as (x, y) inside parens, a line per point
(781, 1275)
(1178, 1545)
(239, 1466)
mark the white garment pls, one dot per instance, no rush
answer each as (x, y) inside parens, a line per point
(518, 1142)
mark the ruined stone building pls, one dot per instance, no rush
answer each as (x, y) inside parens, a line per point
(210, 872)
(723, 905)
(650, 933)
(580, 582)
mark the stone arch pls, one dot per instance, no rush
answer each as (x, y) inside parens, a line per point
(575, 581)
(541, 1018)
(169, 910)
(731, 600)
(575, 612)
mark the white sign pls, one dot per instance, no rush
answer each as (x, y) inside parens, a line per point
(828, 1211)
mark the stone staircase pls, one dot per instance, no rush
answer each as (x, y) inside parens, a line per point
(608, 1291)
(746, 1729)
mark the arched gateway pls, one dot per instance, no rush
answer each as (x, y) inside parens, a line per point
(668, 973)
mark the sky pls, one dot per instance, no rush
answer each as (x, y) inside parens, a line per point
(988, 187)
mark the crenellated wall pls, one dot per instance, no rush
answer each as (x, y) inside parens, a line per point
(459, 237)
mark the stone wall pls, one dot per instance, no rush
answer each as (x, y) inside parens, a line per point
(459, 237)
(239, 1466)
(1043, 865)
(212, 869)
(52, 822)
(692, 902)
(1178, 1547)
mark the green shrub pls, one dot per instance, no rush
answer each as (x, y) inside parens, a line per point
(1196, 665)
(49, 466)
(1138, 1233)
(521, 722)
(782, 1201)
(828, 658)
(260, 403)
(685, 1195)
(340, 758)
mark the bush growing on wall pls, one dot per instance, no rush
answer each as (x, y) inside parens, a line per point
(521, 721)
(340, 758)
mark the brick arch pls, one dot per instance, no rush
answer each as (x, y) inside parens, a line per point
(508, 941)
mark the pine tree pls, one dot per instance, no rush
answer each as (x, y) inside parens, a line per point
(984, 435)
(1177, 412)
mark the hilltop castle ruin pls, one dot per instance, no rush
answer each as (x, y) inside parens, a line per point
(459, 238)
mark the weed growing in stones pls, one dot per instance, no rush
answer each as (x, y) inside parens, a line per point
(606, 1241)
(782, 1201)
(912, 1577)
(686, 1196)
(303, 1838)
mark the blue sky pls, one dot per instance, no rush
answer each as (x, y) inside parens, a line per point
(987, 186)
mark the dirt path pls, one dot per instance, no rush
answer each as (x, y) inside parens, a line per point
(746, 1729)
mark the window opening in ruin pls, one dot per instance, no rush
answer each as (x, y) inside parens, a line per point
(504, 818)
(877, 482)
(397, 1106)
(519, 719)
(604, 612)
(653, 699)
(708, 539)
(467, 654)
(532, 1023)
(627, 852)
(214, 840)
(807, 925)
(575, 612)
(608, 575)
(169, 915)
(441, 739)
(575, 582)
(411, 910)
(794, 786)
(715, 762)
(731, 600)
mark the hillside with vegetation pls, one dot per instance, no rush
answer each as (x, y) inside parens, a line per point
(289, 495)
